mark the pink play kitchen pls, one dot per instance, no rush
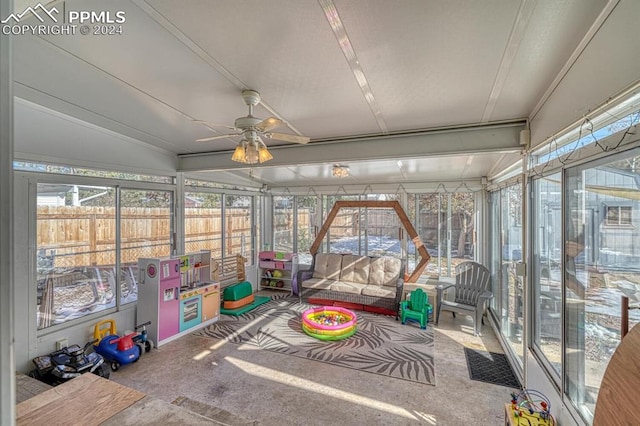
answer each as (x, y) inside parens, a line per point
(177, 295)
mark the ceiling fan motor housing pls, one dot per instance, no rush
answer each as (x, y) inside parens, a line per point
(251, 97)
(249, 126)
(246, 123)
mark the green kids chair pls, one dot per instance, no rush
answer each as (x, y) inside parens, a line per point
(416, 308)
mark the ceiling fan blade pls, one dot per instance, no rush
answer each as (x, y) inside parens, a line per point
(208, 123)
(212, 138)
(287, 138)
(268, 124)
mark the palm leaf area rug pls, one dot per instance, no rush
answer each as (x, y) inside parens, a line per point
(381, 344)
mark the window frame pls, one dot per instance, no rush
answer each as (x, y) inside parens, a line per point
(619, 222)
(33, 179)
(554, 376)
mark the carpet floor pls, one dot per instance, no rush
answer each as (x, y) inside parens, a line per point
(490, 367)
(381, 345)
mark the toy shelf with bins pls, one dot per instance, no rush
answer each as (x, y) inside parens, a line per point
(277, 270)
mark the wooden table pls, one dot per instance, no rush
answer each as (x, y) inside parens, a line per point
(87, 400)
(618, 395)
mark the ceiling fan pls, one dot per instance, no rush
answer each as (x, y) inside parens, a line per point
(251, 128)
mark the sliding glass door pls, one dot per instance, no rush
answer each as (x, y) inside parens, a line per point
(602, 258)
(546, 271)
(505, 252)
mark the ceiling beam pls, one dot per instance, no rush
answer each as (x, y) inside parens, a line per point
(518, 32)
(489, 138)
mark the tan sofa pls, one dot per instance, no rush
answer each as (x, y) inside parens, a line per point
(373, 282)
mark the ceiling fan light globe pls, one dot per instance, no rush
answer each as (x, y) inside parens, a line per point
(251, 153)
(340, 171)
(263, 154)
(239, 154)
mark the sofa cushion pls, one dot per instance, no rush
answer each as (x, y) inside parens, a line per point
(379, 291)
(327, 265)
(355, 269)
(347, 287)
(318, 283)
(385, 271)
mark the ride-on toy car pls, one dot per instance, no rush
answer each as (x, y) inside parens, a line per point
(116, 350)
(141, 338)
(67, 363)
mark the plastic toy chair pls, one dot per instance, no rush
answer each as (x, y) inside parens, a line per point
(416, 308)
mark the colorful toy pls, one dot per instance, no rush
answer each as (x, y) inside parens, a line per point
(238, 295)
(68, 363)
(141, 338)
(329, 323)
(416, 308)
(115, 349)
(239, 298)
(531, 407)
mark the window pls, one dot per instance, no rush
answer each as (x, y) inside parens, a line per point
(344, 232)
(306, 219)
(238, 223)
(368, 231)
(203, 222)
(283, 211)
(146, 227)
(617, 120)
(76, 251)
(429, 219)
(618, 215)
(511, 285)
(600, 266)
(81, 171)
(382, 232)
(546, 270)
(378, 232)
(505, 221)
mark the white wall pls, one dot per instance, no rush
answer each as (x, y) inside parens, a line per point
(609, 64)
(43, 135)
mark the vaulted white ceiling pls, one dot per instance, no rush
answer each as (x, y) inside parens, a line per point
(336, 71)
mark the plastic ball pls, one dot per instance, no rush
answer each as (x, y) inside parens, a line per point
(277, 274)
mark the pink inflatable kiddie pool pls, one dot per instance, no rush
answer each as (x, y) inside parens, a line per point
(329, 323)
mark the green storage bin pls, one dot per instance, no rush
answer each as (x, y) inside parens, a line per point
(237, 291)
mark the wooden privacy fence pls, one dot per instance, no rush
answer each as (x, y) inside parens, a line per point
(380, 222)
(68, 236)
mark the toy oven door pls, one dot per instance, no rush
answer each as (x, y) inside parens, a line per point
(190, 312)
